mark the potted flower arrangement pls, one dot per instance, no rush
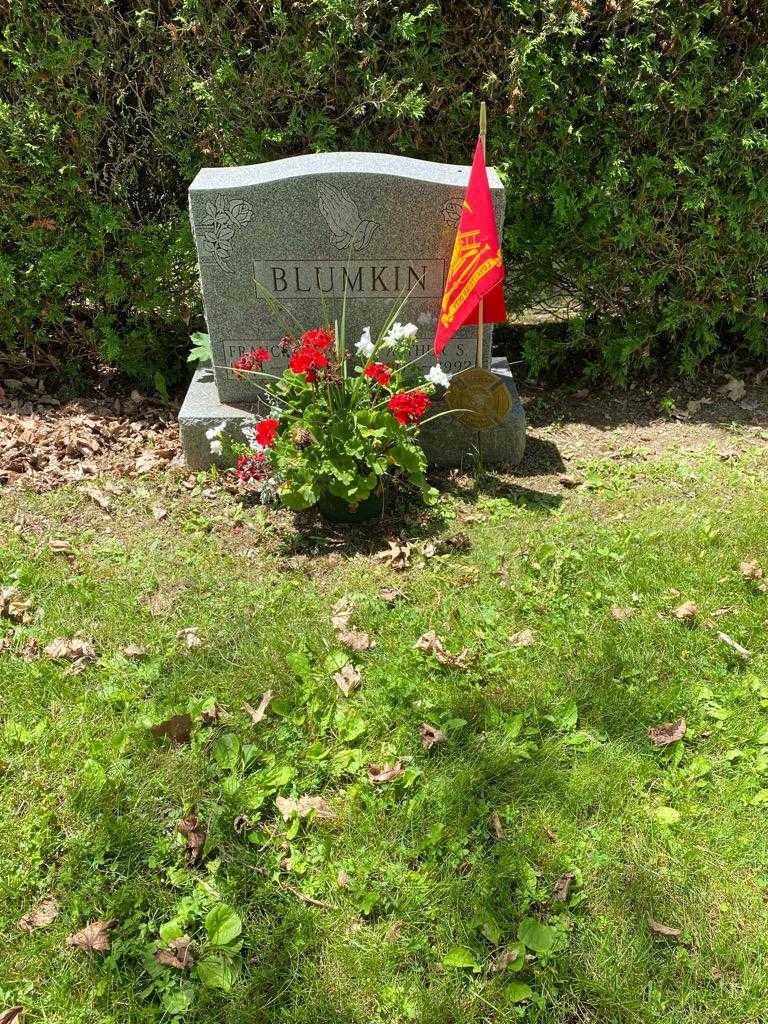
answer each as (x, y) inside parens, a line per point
(340, 423)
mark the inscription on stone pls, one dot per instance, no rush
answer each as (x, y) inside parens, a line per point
(280, 243)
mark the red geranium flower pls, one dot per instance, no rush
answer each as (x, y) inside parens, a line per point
(379, 372)
(266, 431)
(317, 339)
(307, 359)
(408, 406)
(252, 467)
(253, 360)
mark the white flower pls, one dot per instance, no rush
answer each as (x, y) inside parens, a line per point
(365, 346)
(249, 434)
(214, 432)
(437, 375)
(400, 332)
(216, 447)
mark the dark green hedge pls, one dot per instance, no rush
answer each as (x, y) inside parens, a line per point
(632, 136)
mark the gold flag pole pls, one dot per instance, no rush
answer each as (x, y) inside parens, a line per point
(483, 128)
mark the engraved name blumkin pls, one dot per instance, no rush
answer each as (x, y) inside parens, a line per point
(369, 279)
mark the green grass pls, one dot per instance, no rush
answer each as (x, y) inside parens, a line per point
(551, 737)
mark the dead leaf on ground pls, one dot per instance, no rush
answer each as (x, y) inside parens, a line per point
(505, 957)
(622, 614)
(13, 1015)
(569, 481)
(75, 650)
(134, 651)
(288, 806)
(45, 913)
(14, 607)
(341, 613)
(663, 931)
(432, 643)
(99, 497)
(686, 612)
(355, 640)
(256, 715)
(735, 646)
(391, 594)
(385, 772)
(177, 728)
(60, 547)
(178, 954)
(94, 938)
(562, 887)
(342, 879)
(190, 636)
(213, 715)
(525, 638)
(30, 649)
(751, 571)
(496, 825)
(397, 556)
(348, 679)
(669, 732)
(159, 513)
(430, 735)
(194, 832)
(733, 388)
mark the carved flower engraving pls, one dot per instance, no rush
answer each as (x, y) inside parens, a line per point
(222, 219)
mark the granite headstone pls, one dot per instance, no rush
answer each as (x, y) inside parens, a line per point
(279, 244)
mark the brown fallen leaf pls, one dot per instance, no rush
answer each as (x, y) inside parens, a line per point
(45, 913)
(669, 732)
(348, 679)
(288, 806)
(397, 555)
(733, 388)
(432, 643)
(94, 938)
(430, 735)
(178, 955)
(134, 651)
(622, 614)
(385, 772)
(256, 715)
(194, 832)
(14, 607)
(190, 637)
(562, 887)
(158, 514)
(735, 646)
(342, 879)
(177, 728)
(213, 715)
(686, 612)
(355, 640)
(505, 957)
(341, 613)
(60, 547)
(663, 931)
(751, 571)
(99, 497)
(525, 638)
(76, 650)
(30, 649)
(391, 594)
(13, 1015)
(496, 825)
(569, 481)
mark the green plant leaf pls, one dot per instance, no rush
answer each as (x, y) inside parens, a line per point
(461, 956)
(201, 348)
(223, 925)
(517, 991)
(536, 936)
(217, 972)
(226, 750)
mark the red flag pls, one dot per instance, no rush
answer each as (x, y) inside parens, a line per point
(476, 271)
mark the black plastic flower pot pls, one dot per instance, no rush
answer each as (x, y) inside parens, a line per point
(340, 512)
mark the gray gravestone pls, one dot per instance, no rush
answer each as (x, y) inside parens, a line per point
(280, 243)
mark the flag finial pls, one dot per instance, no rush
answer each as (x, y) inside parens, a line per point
(483, 119)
